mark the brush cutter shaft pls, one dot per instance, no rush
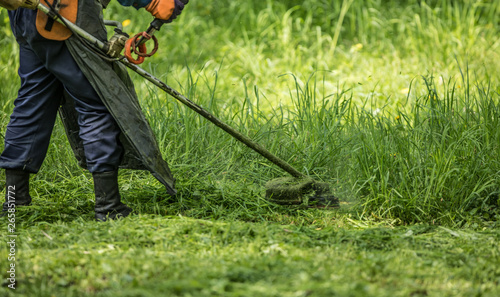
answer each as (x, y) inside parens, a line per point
(198, 109)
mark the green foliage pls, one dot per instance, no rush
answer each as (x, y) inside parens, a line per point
(437, 162)
(427, 153)
(10, 60)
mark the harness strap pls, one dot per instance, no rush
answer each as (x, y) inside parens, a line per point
(50, 21)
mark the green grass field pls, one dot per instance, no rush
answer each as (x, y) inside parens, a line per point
(394, 103)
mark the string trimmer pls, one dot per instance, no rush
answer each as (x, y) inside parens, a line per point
(297, 189)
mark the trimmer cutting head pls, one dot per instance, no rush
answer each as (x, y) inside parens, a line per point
(295, 191)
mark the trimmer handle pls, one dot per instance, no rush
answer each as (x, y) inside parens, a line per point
(155, 25)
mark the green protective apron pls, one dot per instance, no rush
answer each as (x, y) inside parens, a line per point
(115, 88)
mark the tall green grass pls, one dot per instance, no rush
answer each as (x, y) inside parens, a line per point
(437, 162)
(260, 41)
(392, 102)
(434, 160)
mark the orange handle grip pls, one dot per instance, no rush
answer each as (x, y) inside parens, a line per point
(130, 46)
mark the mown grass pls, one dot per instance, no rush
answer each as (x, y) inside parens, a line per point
(179, 256)
(394, 103)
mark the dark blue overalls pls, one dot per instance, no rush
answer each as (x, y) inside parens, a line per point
(47, 69)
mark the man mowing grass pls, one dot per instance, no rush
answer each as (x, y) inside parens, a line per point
(58, 72)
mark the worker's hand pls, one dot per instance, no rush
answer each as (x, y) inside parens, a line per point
(166, 10)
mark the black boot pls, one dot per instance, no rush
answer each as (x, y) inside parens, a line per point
(16, 189)
(108, 203)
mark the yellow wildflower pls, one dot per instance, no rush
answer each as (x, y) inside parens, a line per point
(356, 48)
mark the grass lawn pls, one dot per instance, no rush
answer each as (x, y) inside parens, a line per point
(301, 253)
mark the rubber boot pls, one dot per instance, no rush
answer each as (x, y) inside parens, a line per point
(16, 189)
(108, 205)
